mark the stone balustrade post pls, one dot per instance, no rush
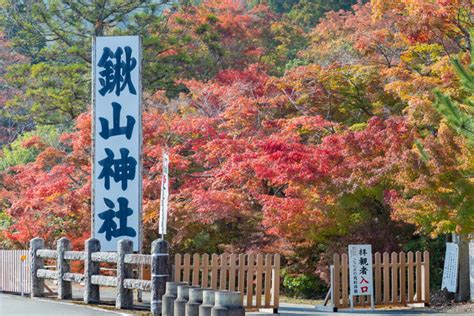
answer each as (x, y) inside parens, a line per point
(124, 271)
(195, 299)
(169, 298)
(37, 284)
(91, 291)
(181, 300)
(62, 266)
(208, 301)
(159, 274)
(227, 304)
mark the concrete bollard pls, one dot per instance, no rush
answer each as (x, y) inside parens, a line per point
(228, 304)
(195, 299)
(159, 274)
(181, 300)
(208, 300)
(170, 296)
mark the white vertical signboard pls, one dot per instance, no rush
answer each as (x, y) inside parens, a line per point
(164, 195)
(117, 174)
(450, 271)
(360, 271)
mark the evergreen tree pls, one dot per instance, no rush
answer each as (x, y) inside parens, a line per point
(460, 114)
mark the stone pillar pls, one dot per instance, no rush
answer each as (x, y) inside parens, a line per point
(208, 301)
(91, 291)
(181, 300)
(124, 271)
(228, 304)
(169, 297)
(37, 284)
(159, 274)
(195, 299)
(62, 266)
(462, 293)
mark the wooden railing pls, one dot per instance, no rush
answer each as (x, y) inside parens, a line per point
(399, 279)
(257, 278)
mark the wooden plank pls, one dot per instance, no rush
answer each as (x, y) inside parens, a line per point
(426, 262)
(403, 283)
(345, 279)
(241, 277)
(232, 268)
(177, 268)
(268, 279)
(337, 282)
(214, 270)
(394, 264)
(196, 269)
(418, 276)
(378, 278)
(386, 278)
(259, 281)
(276, 281)
(205, 270)
(410, 278)
(250, 274)
(223, 272)
(186, 267)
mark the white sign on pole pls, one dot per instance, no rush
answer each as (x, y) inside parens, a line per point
(360, 270)
(450, 271)
(117, 135)
(164, 195)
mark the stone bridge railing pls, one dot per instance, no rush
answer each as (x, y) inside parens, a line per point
(92, 279)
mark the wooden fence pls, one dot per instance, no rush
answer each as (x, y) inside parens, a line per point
(257, 278)
(15, 272)
(399, 279)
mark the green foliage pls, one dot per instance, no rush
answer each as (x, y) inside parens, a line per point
(303, 285)
(16, 153)
(460, 114)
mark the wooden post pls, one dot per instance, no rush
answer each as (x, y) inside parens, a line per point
(411, 278)
(241, 277)
(187, 268)
(418, 276)
(62, 266)
(394, 265)
(37, 284)
(258, 279)
(205, 270)
(337, 283)
(426, 284)
(177, 268)
(345, 279)
(386, 278)
(124, 296)
(223, 272)
(276, 283)
(196, 269)
(214, 267)
(268, 279)
(403, 284)
(250, 266)
(91, 291)
(378, 278)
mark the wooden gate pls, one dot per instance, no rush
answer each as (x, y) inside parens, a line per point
(399, 279)
(15, 272)
(257, 278)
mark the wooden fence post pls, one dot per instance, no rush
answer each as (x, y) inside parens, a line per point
(337, 280)
(62, 266)
(37, 284)
(124, 271)
(426, 263)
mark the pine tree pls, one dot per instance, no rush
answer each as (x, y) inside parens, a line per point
(460, 115)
